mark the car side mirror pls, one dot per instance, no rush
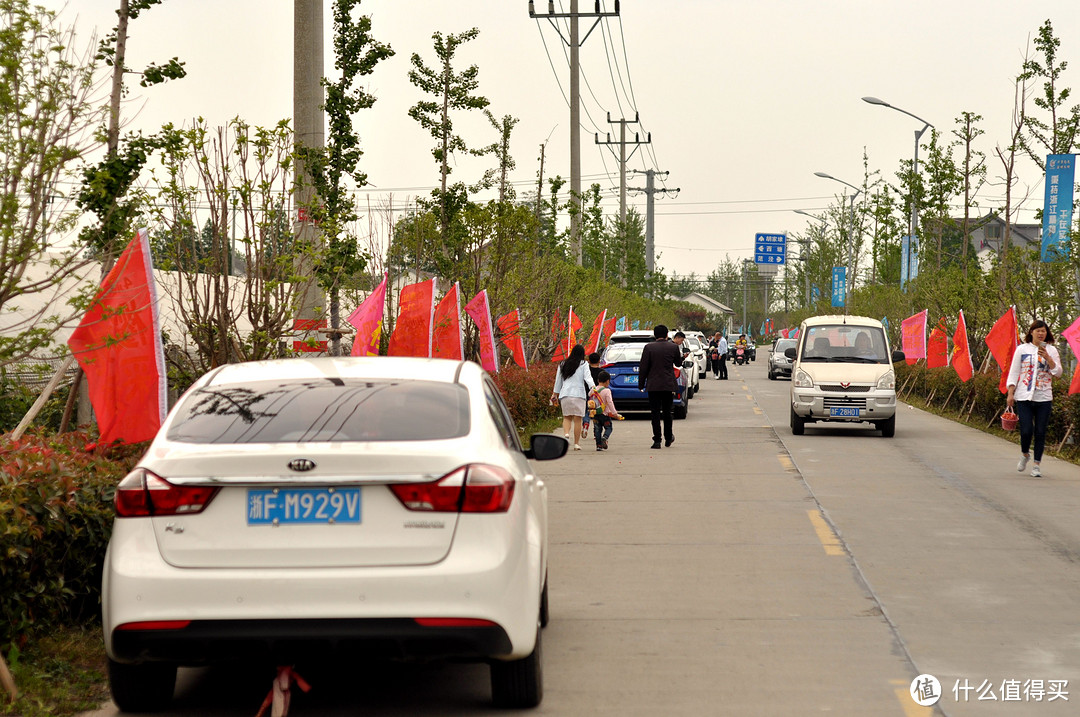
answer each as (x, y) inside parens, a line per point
(546, 447)
(898, 356)
(790, 353)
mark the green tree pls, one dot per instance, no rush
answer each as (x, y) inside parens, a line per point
(356, 55)
(49, 111)
(973, 174)
(1057, 133)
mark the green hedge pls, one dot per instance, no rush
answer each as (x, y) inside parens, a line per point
(932, 387)
(55, 519)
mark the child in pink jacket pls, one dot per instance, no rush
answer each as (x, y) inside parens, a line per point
(604, 410)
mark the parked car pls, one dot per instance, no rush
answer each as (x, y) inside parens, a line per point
(699, 353)
(779, 364)
(843, 372)
(622, 359)
(365, 506)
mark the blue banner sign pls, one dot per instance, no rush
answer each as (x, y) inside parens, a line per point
(770, 248)
(839, 285)
(1057, 206)
(909, 260)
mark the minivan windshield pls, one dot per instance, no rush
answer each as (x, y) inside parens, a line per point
(845, 343)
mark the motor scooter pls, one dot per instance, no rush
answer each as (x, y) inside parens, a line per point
(740, 355)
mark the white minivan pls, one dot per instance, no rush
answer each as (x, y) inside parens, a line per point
(843, 372)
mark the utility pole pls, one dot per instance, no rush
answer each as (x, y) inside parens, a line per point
(622, 179)
(308, 127)
(540, 197)
(575, 102)
(650, 190)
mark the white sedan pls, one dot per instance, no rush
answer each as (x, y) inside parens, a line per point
(331, 506)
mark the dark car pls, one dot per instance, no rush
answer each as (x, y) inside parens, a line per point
(622, 359)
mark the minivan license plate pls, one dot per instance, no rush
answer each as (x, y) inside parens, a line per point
(844, 412)
(303, 506)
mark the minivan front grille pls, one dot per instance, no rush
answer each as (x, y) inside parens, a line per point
(843, 402)
(842, 389)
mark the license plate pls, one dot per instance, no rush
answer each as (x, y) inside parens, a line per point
(844, 412)
(629, 380)
(303, 506)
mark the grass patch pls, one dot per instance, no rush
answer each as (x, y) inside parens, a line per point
(59, 673)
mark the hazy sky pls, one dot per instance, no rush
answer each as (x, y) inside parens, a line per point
(745, 99)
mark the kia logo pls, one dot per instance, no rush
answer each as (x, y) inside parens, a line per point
(302, 464)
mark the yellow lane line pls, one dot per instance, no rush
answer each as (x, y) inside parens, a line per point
(910, 707)
(786, 462)
(828, 538)
(749, 397)
(757, 410)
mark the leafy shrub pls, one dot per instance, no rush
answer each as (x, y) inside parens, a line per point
(16, 399)
(528, 393)
(55, 520)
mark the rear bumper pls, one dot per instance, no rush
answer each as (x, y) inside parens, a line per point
(207, 641)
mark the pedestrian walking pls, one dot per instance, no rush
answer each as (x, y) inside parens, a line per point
(594, 369)
(573, 381)
(1035, 363)
(718, 350)
(657, 377)
(604, 410)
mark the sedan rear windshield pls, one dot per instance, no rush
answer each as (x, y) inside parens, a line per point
(327, 409)
(619, 353)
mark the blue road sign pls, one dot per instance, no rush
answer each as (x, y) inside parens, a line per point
(839, 285)
(770, 248)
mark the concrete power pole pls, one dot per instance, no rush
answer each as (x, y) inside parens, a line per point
(575, 102)
(308, 126)
(622, 177)
(650, 190)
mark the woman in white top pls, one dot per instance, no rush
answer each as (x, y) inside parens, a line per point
(573, 381)
(1034, 365)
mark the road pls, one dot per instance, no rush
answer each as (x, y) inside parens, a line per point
(746, 571)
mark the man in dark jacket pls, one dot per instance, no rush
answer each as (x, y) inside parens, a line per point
(657, 376)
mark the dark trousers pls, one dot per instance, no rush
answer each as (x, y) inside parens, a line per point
(601, 428)
(660, 408)
(719, 366)
(1034, 417)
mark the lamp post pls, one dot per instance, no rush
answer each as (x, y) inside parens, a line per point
(914, 173)
(806, 269)
(851, 241)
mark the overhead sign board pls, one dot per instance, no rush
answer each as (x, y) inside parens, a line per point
(770, 248)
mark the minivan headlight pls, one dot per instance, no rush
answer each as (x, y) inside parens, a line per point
(887, 382)
(802, 379)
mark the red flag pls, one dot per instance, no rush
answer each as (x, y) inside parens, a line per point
(593, 344)
(367, 319)
(568, 337)
(557, 327)
(479, 312)
(937, 348)
(510, 329)
(961, 353)
(609, 327)
(118, 346)
(1002, 340)
(412, 332)
(1072, 335)
(446, 340)
(784, 333)
(913, 337)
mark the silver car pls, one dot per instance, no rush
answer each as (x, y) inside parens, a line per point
(779, 364)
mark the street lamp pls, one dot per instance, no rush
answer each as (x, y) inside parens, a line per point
(806, 269)
(914, 173)
(851, 241)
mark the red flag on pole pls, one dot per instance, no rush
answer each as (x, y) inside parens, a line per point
(446, 339)
(1072, 335)
(510, 329)
(593, 344)
(609, 327)
(937, 348)
(569, 331)
(416, 311)
(367, 319)
(479, 311)
(1002, 340)
(961, 353)
(913, 336)
(118, 346)
(556, 327)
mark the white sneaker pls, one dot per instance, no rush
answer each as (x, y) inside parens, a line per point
(1019, 466)
(1035, 471)
(577, 447)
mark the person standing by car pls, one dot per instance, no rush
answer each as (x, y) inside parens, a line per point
(718, 350)
(657, 377)
(1033, 367)
(573, 381)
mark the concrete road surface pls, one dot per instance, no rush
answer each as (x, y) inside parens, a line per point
(745, 571)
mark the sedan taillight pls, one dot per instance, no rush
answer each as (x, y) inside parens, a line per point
(143, 494)
(470, 489)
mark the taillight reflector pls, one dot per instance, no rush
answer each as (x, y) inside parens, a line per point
(143, 493)
(155, 625)
(453, 622)
(474, 488)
